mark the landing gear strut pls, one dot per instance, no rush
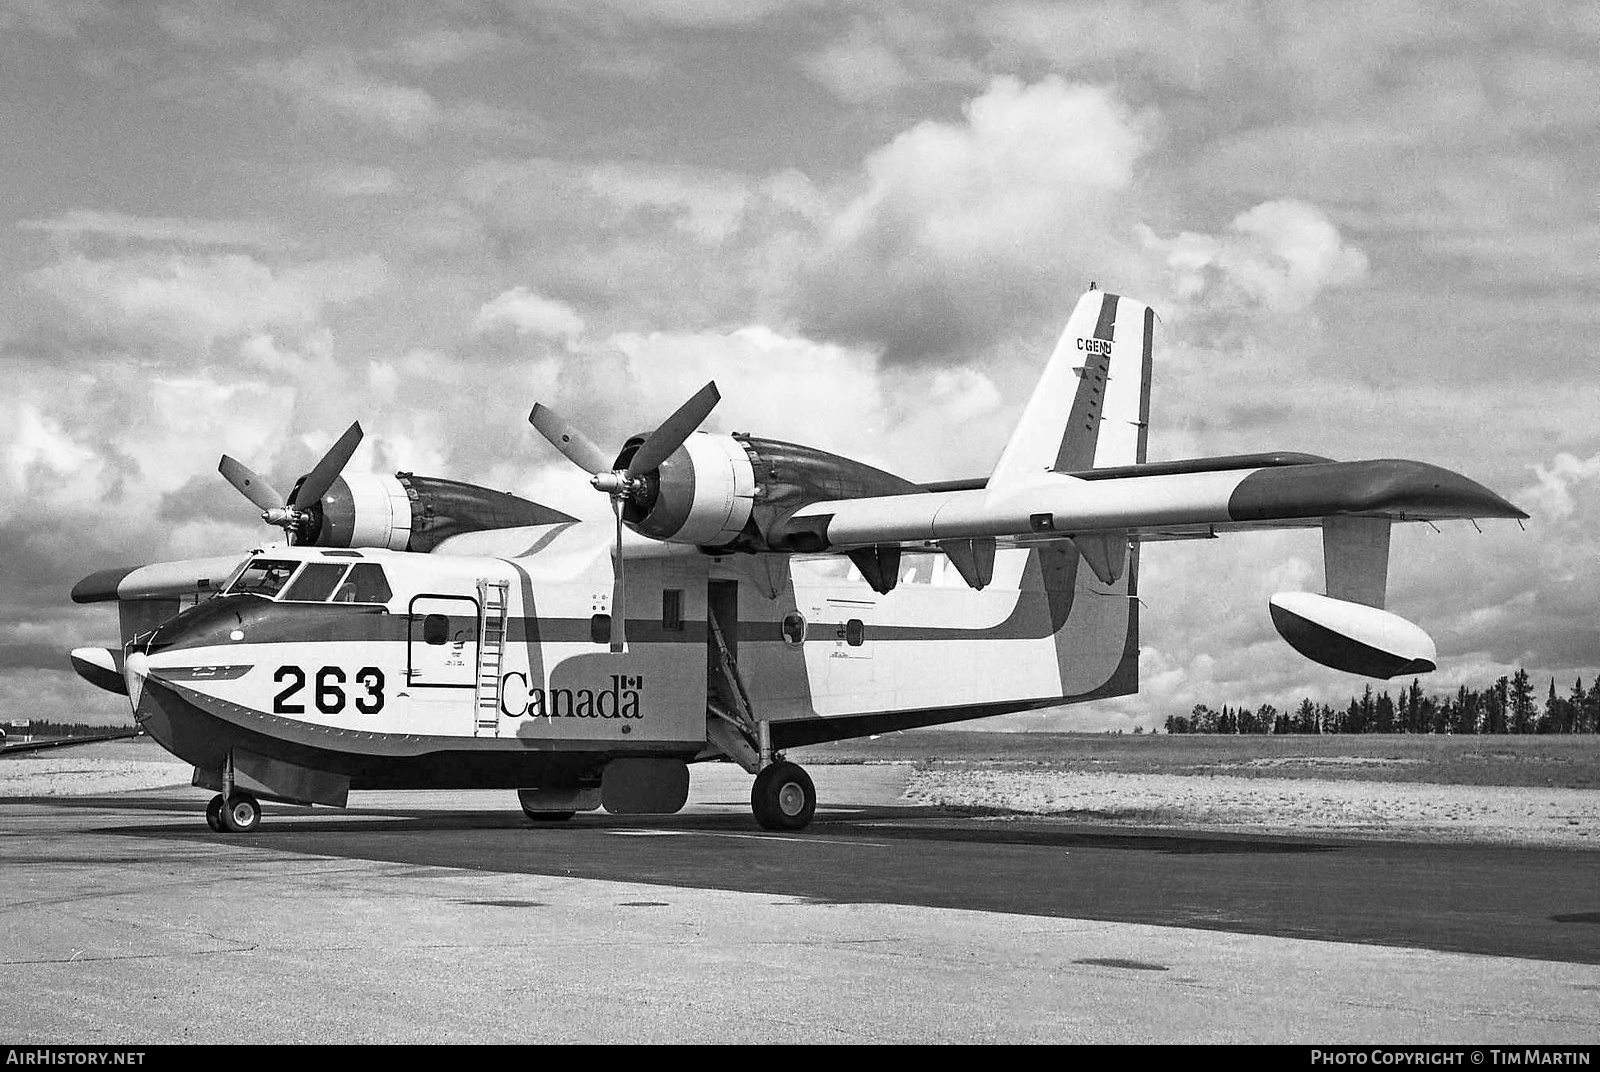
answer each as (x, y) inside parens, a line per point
(238, 814)
(783, 797)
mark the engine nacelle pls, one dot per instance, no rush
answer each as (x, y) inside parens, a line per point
(1352, 637)
(702, 494)
(413, 513)
(737, 492)
(362, 510)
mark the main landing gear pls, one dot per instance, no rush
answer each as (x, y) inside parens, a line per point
(238, 814)
(783, 797)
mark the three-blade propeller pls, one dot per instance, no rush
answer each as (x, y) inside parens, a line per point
(625, 483)
(294, 515)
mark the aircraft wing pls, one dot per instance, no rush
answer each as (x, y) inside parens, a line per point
(1160, 506)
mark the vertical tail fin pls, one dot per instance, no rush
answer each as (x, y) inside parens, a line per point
(1091, 407)
(1090, 410)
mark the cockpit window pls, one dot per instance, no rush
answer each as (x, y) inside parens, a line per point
(316, 582)
(263, 577)
(365, 584)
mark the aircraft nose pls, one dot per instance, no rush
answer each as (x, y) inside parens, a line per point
(135, 668)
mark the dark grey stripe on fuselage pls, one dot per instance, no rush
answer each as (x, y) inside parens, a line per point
(1037, 614)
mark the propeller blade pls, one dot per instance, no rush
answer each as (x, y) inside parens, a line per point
(619, 638)
(568, 440)
(326, 471)
(671, 433)
(250, 484)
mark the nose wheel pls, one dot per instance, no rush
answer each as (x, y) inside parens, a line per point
(783, 797)
(238, 814)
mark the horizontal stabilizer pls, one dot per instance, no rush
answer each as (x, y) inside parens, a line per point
(1351, 637)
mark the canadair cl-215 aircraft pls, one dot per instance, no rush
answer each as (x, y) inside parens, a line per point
(750, 596)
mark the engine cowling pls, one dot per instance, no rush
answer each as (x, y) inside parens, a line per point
(737, 492)
(405, 512)
(702, 494)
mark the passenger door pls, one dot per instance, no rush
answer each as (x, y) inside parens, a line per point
(443, 647)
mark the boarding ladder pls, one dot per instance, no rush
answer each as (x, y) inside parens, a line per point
(491, 646)
(731, 705)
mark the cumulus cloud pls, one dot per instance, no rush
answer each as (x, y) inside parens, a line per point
(441, 46)
(198, 299)
(79, 223)
(352, 181)
(775, 385)
(859, 67)
(664, 246)
(45, 464)
(331, 85)
(1553, 494)
(963, 229)
(1278, 255)
(527, 313)
(542, 192)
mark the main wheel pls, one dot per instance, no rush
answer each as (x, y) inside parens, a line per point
(214, 814)
(783, 797)
(241, 814)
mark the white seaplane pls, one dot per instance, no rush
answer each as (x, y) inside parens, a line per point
(751, 596)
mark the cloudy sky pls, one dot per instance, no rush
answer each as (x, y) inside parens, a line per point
(1370, 229)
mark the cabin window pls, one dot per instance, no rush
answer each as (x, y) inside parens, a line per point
(672, 609)
(794, 629)
(365, 584)
(435, 629)
(263, 577)
(855, 632)
(315, 583)
(600, 629)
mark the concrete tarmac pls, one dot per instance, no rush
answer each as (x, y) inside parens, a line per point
(448, 918)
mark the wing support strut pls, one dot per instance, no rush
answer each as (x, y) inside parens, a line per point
(1355, 559)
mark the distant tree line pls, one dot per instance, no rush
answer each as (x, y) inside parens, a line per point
(39, 727)
(1507, 706)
